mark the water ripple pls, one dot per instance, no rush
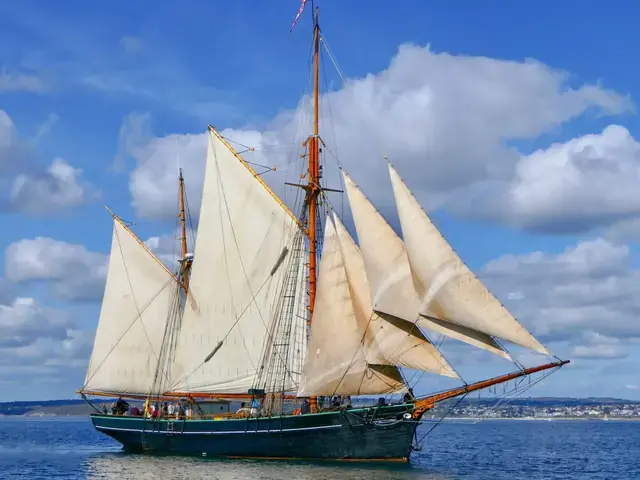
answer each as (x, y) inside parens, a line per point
(62, 448)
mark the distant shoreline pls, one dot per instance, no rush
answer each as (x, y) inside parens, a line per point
(542, 419)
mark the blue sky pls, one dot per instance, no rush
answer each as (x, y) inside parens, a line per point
(111, 89)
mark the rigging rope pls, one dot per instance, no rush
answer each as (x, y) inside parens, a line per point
(140, 312)
(398, 351)
(253, 294)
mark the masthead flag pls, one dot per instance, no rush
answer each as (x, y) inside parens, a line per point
(295, 20)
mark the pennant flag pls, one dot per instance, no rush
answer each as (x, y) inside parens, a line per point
(295, 20)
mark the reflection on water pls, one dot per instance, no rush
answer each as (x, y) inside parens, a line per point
(71, 449)
(120, 466)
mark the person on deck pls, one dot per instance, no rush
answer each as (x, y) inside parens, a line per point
(255, 407)
(305, 408)
(409, 397)
(165, 409)
(171, 409)
(347, 401)
(243, 411)
(121, 406)
(134, 411)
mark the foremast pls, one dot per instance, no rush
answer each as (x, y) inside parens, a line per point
(186, 259)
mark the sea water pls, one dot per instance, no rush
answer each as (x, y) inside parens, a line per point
(70, 448)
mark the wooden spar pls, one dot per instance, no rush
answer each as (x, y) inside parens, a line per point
(143, 245)
(427, 403)
(173, 395)
(246, 165)
(184, 267)
(313, 186)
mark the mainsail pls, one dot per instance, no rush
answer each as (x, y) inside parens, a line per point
(138, 299)
(448, 292)
(244, 237)
(390, 277)
(337, 352)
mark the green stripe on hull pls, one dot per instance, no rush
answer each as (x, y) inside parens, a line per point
(360, 434)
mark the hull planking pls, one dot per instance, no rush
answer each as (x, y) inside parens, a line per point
(373, 434)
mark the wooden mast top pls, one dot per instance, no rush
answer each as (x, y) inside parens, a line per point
(184, 266)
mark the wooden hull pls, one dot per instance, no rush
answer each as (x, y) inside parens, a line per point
(372, 434)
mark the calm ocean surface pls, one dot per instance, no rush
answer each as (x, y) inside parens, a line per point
(69, 448)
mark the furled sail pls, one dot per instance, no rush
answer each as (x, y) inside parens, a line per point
(137, 303)
(244, 237)
(396, 341)
(389, 274)
(448, 291)
(336, 362)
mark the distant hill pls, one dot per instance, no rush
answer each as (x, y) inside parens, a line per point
(48, 407)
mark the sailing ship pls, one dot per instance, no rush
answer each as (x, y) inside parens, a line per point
(274, 307)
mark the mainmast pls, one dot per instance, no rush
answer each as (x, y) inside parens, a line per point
(313, 186)
(184, 261)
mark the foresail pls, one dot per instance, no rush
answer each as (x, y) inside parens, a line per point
(139, 297)
(336, 363)
(244, 238)
(389, 274)
(447, 290)
(393, 341)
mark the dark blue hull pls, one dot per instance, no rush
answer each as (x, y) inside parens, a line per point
(381, 433)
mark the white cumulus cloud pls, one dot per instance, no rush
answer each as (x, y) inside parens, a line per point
(586, 296)
(446, 122)
(75, 272)
(27, 186)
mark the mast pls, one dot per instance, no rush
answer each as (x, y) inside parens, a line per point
(313, 186)
(314, 170)
(184, 263)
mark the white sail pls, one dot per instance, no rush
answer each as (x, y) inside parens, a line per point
(244, 237)
(389, 274)
(448, 291)
(138, 299)
(396, 342)
(336, 362)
